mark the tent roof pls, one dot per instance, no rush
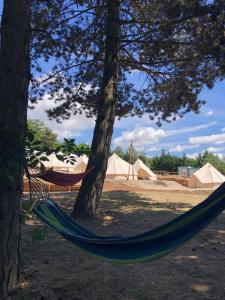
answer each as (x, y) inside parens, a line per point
(81, 161)
(139, 165)
(83, 158)
(56, 163)
(117, 165)
(209, 174)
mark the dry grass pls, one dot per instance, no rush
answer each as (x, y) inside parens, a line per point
(55, 269)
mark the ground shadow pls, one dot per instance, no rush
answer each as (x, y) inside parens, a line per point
(55, 269)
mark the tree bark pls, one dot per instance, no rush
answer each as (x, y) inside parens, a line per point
(91, 188)
(14, 82)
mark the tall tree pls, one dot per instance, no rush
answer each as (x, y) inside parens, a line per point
(14, 74)
(176, 46)
(100, 148)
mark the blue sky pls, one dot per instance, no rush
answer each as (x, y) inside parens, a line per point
(192, 134)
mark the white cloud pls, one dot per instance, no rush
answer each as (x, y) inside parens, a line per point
(73, 127)
(215, 149)
(145, 136)
(209, 113)
(182, 148)
(193, 155)
(208, 139)
(191, 128)
(221, 155)
(153, 148)
(141, 137)
(133, 122)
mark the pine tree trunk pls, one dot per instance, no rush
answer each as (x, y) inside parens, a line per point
(91, 188)
(14, 81)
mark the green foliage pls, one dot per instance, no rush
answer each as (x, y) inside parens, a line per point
(40, 143)
(165, 162)
(170, 163)
(70, 147)
(213, 159)
(34, 152)
(82, 148)
(38, 234)
(42, 133)
(177, 46)
(37, 152)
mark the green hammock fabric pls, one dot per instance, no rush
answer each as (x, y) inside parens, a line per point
(139, 248)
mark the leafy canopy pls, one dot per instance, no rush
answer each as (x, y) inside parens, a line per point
(175, 47)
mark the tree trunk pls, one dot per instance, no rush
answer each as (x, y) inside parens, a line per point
(91, 188)
(14, 81)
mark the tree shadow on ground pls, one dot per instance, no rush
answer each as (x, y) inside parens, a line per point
(117, 209)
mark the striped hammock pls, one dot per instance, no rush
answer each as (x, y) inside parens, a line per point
(143, 247)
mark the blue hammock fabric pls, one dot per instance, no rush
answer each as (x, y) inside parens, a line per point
(143, 247)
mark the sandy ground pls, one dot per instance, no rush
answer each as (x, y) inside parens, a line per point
(150, 185)
(54, 269)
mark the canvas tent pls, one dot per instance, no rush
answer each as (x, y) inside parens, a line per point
(58, 165)
(206, 177)
(120, 169)
(81, 164)
(143, 171)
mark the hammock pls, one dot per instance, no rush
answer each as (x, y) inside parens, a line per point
(62, 179)
(143, 247)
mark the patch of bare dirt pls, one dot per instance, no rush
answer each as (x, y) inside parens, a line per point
(54, 269)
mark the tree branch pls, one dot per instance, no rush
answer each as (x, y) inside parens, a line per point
(203, 10)
(172, 61)
(127, 42)
(79, 13)
(68, 67)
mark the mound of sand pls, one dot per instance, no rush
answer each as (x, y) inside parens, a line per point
(147, 184)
